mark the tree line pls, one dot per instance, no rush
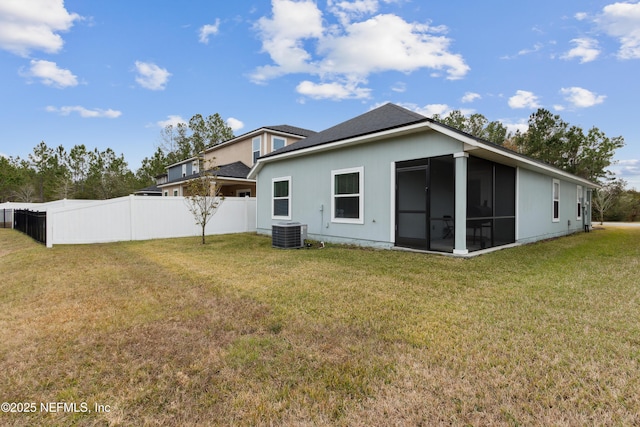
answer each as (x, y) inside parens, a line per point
(53, 173)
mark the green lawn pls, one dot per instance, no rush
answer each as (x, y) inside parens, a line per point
(171, 332)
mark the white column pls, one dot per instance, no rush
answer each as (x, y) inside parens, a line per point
(460, 247)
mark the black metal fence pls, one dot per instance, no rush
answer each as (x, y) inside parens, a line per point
(31, 223)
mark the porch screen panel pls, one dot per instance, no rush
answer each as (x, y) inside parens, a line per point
(442, 203)
(412, 206)
(505, 191)
(490, 204)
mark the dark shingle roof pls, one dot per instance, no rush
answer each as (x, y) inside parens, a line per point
(388, 116)
(150, 189)
(231, 170)
(292, 130)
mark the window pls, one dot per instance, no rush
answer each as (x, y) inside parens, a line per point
(277, 143)
(166, 193)
(579, 202)
(243, 193)
(195, 167)
(175, 193)
(556, 201)
(184, 169)
(281, 189)
(347, 187)
(255, 143)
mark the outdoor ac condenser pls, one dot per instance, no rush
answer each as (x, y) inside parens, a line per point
(288, 235)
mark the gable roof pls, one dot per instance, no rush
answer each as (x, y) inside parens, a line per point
(280, 129)
(388, 116)
(392, 120)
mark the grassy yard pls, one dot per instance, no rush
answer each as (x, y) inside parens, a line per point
(170, 332)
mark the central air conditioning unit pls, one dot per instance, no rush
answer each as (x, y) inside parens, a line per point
(288, 235)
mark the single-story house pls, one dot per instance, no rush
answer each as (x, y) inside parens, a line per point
(394, 178)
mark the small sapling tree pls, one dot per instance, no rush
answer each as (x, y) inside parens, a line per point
(203, 196)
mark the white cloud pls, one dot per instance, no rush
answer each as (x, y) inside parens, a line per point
(536, 48)
(84, 112)
(428, 110)
(27, 25)
(585, 49)
(171, 120)
(582, 98)
(150, 76)
(399, 87)
(470, 97)
(622, 20)
(629, 170)
(50, 75)
(581, 16)
(209, 30)
(234, 124)
(332, 90)
(524, 99)
(518, 126)
(298, 41)
(388, 43)
(346, 11)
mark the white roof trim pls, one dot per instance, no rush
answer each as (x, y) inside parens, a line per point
(251, 134)
(217, 178)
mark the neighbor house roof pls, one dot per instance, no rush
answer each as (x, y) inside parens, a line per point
(235, 170)
(153, 189)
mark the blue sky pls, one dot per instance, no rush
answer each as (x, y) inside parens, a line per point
(114, 73)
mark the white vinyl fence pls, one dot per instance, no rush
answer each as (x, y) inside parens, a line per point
(140, 218)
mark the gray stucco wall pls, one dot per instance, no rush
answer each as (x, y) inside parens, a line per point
(311, 187)
(535, 207)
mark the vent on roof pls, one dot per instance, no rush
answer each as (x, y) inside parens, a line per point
(288, 235)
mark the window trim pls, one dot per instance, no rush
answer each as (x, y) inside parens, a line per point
(273, 142)
(255, 139)
(360, 194)
(273, 198)
(555, 200)
(579, 202)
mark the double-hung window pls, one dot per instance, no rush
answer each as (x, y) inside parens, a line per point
(255, 148)
(556, 201)
(579, 202)
(281, 198)
(347, 201)
(277, 143)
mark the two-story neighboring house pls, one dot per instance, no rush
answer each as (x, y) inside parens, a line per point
(234, 159)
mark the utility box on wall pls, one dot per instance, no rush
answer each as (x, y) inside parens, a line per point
(288, 235)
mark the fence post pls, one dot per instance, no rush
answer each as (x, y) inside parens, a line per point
(132, 217)
(49, 229)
